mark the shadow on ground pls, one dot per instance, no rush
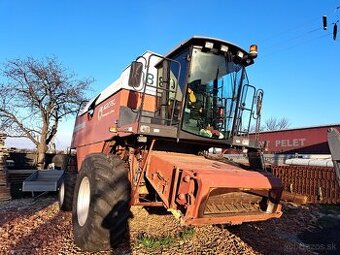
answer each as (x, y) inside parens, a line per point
(325, 239)
(49, 231)
(298, 231)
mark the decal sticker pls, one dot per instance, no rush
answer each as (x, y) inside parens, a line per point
(106, 109)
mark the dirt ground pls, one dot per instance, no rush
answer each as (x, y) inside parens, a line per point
(38, 227)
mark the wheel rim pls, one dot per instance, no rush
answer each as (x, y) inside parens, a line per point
(61, 193)
(83, 201)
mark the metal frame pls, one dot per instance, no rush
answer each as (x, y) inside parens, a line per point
(145, 85)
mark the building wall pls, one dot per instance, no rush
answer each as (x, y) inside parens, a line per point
(309, 140)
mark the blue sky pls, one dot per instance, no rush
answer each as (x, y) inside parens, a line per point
(298, 63)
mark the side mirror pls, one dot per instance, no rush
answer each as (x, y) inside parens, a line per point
(136, 71)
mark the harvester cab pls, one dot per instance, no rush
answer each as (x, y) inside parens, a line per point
(202, 90)
(143, 141)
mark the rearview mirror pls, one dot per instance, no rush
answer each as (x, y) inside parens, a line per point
(136, 70)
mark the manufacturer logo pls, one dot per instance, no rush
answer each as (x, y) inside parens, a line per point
(106, 109)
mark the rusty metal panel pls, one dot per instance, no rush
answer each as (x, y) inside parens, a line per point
(209, 191)
(161, 174)
(318, 183)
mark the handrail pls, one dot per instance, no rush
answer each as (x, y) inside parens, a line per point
(169, 121)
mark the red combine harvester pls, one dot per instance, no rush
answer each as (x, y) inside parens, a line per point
(144, 140)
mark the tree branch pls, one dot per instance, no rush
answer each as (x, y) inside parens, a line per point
(20, 126)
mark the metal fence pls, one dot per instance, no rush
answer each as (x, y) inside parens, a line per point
(318, 183)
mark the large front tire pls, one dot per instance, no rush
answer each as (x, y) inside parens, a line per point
(101, 203)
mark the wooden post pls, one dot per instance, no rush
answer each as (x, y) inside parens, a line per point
(294, 198)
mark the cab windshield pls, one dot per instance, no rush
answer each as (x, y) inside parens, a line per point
(211, 97)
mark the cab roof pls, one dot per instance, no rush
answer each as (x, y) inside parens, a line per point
(200, 41)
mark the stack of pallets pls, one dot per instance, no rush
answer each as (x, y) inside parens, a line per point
(4, 190)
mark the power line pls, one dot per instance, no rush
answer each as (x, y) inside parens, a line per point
(305, 29)
(308, 27)
(289, 30)
(280, 50)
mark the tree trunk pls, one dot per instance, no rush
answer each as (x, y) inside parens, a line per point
(41, 149)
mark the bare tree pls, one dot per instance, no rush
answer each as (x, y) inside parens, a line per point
(34, 96)
(274, 123)
(253, 128)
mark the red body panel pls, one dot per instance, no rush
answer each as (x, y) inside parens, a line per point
(199, 176)
(302, 140)
(83, 151)
(91, 132)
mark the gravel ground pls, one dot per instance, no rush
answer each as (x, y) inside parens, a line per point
(38, 227)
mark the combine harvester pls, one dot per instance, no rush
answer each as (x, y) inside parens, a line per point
(143, 142)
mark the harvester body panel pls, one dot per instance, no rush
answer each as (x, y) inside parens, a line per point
(210, 192)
